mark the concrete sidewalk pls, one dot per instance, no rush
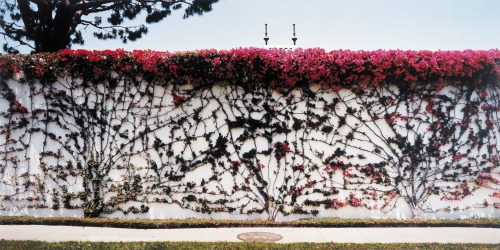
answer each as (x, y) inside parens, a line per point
(288, 234)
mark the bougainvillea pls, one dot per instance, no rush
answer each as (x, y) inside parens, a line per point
(249, 130)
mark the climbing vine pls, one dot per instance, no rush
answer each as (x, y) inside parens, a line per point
(249, 131)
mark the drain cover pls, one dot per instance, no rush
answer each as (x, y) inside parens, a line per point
(259, 237)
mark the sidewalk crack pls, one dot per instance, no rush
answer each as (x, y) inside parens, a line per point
(366, 238)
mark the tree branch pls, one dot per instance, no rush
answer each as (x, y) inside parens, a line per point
(9, 27)
(93, 4)
(21, 42)
(98, 9)
(85, 22)
(27, 15)
(40, 2)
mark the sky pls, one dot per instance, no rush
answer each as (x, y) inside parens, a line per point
(328, 24)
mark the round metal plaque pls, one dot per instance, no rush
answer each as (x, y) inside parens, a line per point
(259, 237)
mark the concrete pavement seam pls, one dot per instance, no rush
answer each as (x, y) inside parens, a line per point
(364, 236)
(321, 234)
(48, 233)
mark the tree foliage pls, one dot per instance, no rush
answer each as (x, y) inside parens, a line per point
(52, 25)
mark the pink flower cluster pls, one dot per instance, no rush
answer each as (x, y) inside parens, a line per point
(486, 179)
(273, 66)
(17, 107)
(351, 201)
(460, 192)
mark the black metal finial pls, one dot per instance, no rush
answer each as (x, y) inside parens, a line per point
(294, 38)
(266, 38)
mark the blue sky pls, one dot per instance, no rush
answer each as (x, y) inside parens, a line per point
(329, 24)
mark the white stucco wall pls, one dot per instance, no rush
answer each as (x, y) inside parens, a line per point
(216, 107)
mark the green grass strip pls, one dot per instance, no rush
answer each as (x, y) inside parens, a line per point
(6, 245)
(201, 223)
